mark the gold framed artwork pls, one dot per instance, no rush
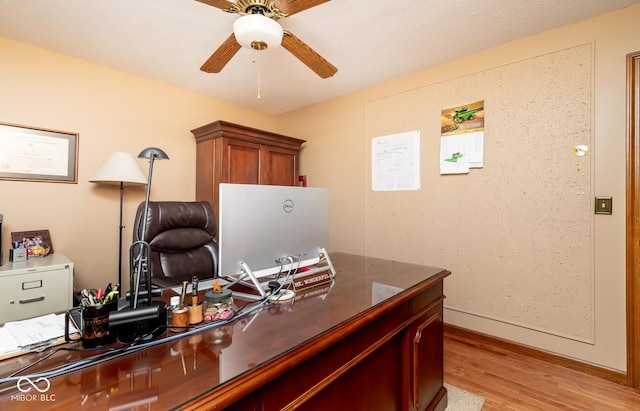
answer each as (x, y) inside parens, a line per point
(35, 154)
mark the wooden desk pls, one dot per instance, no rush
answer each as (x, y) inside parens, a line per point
(354, 345)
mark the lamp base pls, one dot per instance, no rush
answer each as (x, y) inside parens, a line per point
(146, 322)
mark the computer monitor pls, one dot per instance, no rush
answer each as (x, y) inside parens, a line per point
(265, 227)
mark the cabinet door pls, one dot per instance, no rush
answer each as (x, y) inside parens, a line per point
(281, 166)
(242, 163)
(425, 360)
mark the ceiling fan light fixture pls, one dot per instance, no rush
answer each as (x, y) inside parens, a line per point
(257, 32)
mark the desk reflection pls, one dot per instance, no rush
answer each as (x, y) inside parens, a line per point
(135, 381)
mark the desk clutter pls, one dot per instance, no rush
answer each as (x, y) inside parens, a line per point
(218, 306)
(91, 297)
(92, 317)
(91, 322)
(28, 248)
(29, 244)
(33, 334)
(102, 317)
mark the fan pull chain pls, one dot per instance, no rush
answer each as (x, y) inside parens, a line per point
(259, 80)
(254, 60)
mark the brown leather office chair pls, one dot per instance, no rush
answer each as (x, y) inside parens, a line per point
(182, 239)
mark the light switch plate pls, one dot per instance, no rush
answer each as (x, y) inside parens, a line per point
(604, 205)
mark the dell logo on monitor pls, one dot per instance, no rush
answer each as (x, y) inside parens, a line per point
(287, 206)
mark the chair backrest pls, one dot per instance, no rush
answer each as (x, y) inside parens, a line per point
(182, 238)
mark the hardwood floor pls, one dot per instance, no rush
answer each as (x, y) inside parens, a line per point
(509, 379)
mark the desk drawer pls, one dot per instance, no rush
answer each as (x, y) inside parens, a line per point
(33, 294)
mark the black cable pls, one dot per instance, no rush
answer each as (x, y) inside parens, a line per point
(71, 349)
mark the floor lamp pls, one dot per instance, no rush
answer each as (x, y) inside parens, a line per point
(120, 169)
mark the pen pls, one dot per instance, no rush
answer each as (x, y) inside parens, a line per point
(194, 290)
(112, 296)
(88, 294)
(184, 292)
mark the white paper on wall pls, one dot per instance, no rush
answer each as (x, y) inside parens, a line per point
(396, 162)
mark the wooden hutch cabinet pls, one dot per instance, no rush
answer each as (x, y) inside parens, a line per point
(231, 153)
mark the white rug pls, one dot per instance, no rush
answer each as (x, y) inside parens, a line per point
(461, 400)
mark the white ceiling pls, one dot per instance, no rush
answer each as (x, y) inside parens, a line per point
(369, 41)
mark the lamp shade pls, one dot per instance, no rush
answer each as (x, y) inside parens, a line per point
(119, 168)
(257, 32)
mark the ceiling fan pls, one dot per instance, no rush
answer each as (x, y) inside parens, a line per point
(257, 28)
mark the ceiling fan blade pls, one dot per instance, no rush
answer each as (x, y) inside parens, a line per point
(221, 57)
(308, 56)
(290, 7)
(220, 4)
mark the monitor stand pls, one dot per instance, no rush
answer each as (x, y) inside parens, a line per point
(249, 279)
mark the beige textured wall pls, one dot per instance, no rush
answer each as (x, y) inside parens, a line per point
(517, 232)
(342, 127)
(112, 111)
(334, 157)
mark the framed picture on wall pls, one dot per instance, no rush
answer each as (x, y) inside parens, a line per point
(35, 154)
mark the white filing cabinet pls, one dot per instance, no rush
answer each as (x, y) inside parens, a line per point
(36, 287)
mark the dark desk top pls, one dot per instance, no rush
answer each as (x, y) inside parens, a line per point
(176, 368)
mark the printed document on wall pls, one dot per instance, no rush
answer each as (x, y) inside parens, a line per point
(462, 140)
(395, 162)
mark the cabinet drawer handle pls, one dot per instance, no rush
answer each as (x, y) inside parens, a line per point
(31, 300)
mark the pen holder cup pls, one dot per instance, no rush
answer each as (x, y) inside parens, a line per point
(93, 325)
